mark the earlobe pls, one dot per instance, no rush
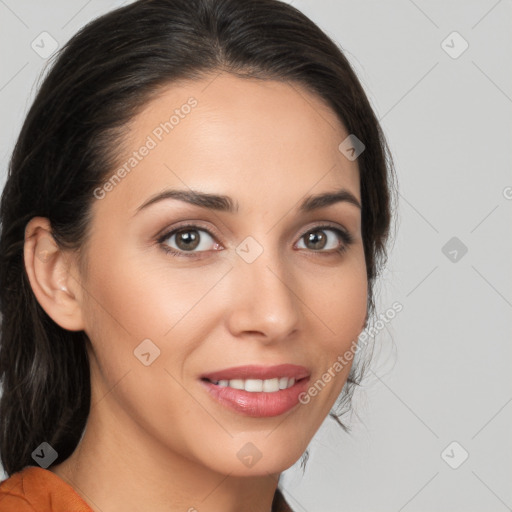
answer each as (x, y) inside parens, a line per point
(49, 272)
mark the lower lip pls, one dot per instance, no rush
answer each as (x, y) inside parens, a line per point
(258, 404)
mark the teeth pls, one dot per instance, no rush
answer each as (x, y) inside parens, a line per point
(258, 385)
(236, 383)
(270, 385)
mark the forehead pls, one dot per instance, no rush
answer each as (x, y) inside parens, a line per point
(254, 140)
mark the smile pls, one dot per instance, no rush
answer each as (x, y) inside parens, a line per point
(257, 391)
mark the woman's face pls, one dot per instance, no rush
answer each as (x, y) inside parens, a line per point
(256, 278)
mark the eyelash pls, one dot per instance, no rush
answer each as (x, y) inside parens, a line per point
(345, 236)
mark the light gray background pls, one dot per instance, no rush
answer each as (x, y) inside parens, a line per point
(443, 371)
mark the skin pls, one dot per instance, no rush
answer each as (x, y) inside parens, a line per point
(155, 440)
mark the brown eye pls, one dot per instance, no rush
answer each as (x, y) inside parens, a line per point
(326, 239)
(188, 239)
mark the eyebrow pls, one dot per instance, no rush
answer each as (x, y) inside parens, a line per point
(224, 203)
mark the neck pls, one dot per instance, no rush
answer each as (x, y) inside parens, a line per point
(121, 467)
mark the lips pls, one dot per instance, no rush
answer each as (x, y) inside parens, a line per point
(224, 387)
(258, 372)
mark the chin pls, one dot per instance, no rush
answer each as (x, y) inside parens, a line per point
(256, 455)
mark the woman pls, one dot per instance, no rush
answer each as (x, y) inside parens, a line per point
(195, 214)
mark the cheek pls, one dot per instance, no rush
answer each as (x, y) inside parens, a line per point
(141, 295)
(127, 305)
(146, 298)
(341, 309)
(342, 302)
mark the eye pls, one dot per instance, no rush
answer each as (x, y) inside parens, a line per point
(326, 239)
(188, 239)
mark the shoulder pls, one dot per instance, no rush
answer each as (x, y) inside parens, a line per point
(34, 489)
(12, 494)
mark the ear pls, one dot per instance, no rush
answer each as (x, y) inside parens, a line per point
(49, 271)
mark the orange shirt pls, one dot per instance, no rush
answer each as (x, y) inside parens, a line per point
(35, 489)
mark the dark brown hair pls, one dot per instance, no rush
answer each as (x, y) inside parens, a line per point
(67, 147)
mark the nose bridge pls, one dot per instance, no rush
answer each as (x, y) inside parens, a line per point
(264, 297)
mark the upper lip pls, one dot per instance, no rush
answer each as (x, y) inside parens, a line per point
(253, 371)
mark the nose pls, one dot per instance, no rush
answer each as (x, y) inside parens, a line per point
(265, 299)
